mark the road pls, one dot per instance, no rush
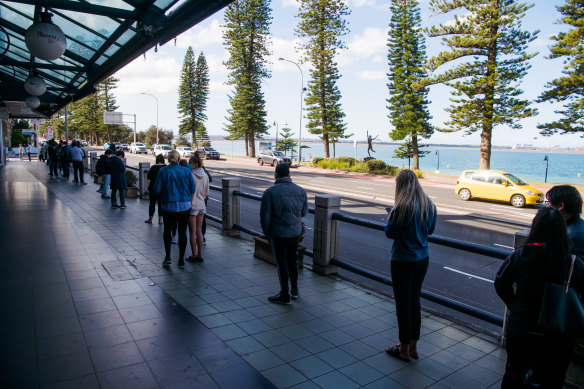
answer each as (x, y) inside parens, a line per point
(455, 274)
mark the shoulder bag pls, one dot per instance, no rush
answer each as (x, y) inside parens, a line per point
(562, 310)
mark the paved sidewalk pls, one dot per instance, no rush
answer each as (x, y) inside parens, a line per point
(85, 303)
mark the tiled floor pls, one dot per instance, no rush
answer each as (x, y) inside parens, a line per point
(85, 303)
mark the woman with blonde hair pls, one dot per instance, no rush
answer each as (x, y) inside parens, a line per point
(198, 207)
(174, 186)
(410, 222)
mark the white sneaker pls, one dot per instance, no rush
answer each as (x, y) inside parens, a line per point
(173, 239)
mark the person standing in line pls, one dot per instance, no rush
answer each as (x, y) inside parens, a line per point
(410, 222)
(28, 151)
(103, 169)
(154, 199)
(174, 186)
(198, 208)
(118, 179)
(520, 283)
(65, 157)
(204, 227)
(20, 151)
(77, 162)
(53, 159)
(282, 208)
(568, 201)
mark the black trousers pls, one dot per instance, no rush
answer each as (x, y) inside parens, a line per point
(65, 167)
(407, 280)
(154, 200)
(179, 219)
(122, 192)
(285, 251)
(548, 355)
(78, 171)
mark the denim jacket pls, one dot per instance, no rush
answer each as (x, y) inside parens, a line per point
(175, 185)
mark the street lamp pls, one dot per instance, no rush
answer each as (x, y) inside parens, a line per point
(438, 164)
(148, 94)
(547, 161)
(276, 124)
(301, 92)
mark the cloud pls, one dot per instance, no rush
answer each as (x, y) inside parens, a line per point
(201, 36)
(284, 48)
(290, 3)
(361, 3)
(155, 75)
(372, 75)
(371, 43)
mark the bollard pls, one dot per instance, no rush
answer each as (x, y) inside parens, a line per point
(92, 162)
(143, 168)
(230, 205)
(326, 233)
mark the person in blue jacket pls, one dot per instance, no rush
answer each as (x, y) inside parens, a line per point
(174, 187)
(409, 223)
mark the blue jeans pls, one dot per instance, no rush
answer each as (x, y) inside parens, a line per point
(105, 183)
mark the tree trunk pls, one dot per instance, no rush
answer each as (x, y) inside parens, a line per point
(325, 142)
(252, 145)
(334, 150)
(246, 145)
(415, 152)
(485, 161)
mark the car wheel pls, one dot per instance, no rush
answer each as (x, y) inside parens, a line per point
(464, 194)
(518, 201)
(261, 162)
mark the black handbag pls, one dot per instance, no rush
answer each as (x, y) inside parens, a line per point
(562, 310)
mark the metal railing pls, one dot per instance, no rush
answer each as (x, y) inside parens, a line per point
(436, 239)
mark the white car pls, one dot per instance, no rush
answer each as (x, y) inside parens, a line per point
(185, 152)
(162, 149)
(138, 148)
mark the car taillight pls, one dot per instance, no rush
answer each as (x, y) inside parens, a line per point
(457, 182)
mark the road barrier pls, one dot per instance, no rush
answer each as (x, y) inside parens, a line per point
(326, 242)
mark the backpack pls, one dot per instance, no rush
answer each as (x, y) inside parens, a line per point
(100, 166)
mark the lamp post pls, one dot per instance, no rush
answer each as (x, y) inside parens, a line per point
(276, 124)
(148, 94)
(438, 164)
(547, 161)
(301, 92)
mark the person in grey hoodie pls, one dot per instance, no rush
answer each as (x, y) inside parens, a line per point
(282, 208)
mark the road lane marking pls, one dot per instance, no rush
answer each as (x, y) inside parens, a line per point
(364, 187)
(467, 274)
(502, 245)
(320, 181)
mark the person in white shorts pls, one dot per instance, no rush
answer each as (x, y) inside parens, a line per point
(198, 207)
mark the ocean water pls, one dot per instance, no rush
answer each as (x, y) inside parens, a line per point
(563, 168)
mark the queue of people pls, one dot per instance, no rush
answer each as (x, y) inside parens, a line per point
(62, 158)
(555, 244)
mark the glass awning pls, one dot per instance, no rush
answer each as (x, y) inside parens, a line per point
(102, 37)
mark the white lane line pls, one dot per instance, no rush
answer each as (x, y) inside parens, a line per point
(502, 245)
(467, 274)
(319, 181)
(364, 187)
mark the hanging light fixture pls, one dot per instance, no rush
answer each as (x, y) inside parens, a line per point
(35, 86)
(32, 101)
(44, 39)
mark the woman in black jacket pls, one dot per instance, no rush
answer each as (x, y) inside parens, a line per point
(152, 174)
(545, 257)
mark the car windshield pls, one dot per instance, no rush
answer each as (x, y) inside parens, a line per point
(278, 153)
(165, 148)
(209, 149)
(139, 144)
(515, 180)
(117, 143)
(187, 149)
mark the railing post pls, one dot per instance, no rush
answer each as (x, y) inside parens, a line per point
(326, 233)
(143, 168)
(230, 205)
(92, 162)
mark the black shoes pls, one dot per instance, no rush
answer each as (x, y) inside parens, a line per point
(166, 262)
(294, 294)
(181, 263)
(122, 206)
(280, 299)
(114, 205)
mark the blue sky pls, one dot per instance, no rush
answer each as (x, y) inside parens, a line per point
(363, 66)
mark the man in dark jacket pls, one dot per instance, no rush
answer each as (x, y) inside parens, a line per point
(118, 179)
(282, 208)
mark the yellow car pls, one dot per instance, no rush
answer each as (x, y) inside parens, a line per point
(496, 185)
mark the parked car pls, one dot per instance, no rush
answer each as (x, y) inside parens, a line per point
(162, 149)
(208, 153)
(108, 145)
(83, 143)
(184, 151)
(497, 185)
(138, 148)
(125, 147)
(273, 157)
